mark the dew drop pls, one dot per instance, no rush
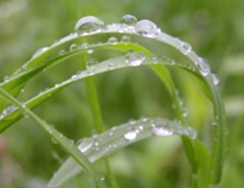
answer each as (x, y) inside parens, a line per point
(129, 20)
(85, 144)
(190, 132)
(62, 52)
(90, 51)
(203, 66)
(185, 48)
(73, 47)
(146, 28)
(125, 38)
(89, 24)
(91, 63)
(6, 111)
(85, 46)
(162, 131)
(39, 52)
(113, 40)
(74, 77)
(215, 79)
(134, 59)
(130, 135)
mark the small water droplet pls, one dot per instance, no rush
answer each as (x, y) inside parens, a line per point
(91, 63)
(85, 46)
(111, 66)
(146, 28)
(111, 133)
(39, 52)
(90, 51)
(89, 24)
(190, 132)
(113, 40)
(203, 66)
(62, 52)
(185, 48)
(215, 79)
(74, 77)
(6, 111)
(134, 59)
(129, 20)
(85, 144)
(73, 47)
(125, 38)
(130, 135)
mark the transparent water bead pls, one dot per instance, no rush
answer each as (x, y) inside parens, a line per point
(162, 131)
(191, 133)
(131, 135)
(125, 38)
(73, 47)
(146, 28)
(85, 144)
(62, 52)
(134, 59)
(185, 48)
(6, 111)
(90, 64)
(128, 20)
(89, 24)
(215, 79)
(203, 66)
(40, 51)
(113, 40)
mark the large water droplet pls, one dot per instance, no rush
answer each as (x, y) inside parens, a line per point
(203, 66)
(129, 20)
(85, 144)
(185, 48)
(131, 135)
(162, 131)
(89, 24)
(39, 52)
(146, 28)
(134, 59)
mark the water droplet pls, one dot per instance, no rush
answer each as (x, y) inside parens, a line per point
(146, 28)
(125, 38)
(129, 20)
(90, 51)
(185, 48)
(89, 24)
(134, 59)
(131, 135)
(111, 66)
(62, 52)
(215, 79)
(73, 47)
(85, 144)
(190, 132)
(111, 133)
(203, 66)
(91, 63)
(85, 46)
(39, 52)
(74, 77)
(162, 131)
(113, 40)
(6, 111)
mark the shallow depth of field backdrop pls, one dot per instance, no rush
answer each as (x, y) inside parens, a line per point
(214, 28)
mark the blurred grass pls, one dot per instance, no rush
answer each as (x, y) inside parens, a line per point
(215, 30)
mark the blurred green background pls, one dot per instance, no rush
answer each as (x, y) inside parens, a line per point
(214, 28)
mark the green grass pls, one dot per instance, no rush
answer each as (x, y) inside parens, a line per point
(70, 101)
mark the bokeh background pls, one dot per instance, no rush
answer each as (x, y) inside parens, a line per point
(214, 28)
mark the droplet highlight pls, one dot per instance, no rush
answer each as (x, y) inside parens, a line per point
(128, 20)
(130, 135)
(203, 66)
(134, 59)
